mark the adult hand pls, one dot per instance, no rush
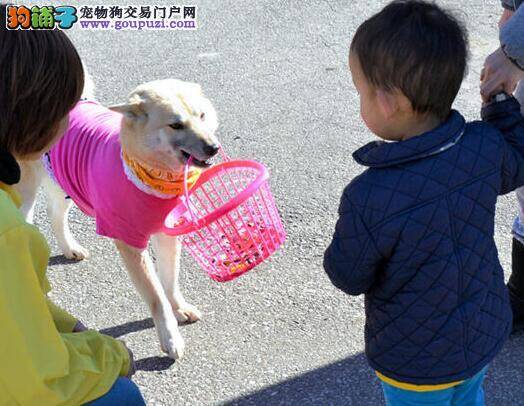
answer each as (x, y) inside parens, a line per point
(499, 74)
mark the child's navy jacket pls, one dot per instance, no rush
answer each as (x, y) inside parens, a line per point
(415, 234)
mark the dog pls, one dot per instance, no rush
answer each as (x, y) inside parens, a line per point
(124, 166)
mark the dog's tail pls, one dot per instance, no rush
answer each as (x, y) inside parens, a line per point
(89, 85)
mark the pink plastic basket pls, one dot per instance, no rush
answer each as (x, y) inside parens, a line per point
(229, 219)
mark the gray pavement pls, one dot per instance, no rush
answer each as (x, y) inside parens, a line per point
(282, 335)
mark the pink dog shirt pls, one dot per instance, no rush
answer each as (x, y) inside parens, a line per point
(87, 164)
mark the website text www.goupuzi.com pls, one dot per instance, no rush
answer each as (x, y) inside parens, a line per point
(137, 24)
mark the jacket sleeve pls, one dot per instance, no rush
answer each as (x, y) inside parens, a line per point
(507, 118)
(64, 322)
(352, 259)
(512, 38)
(40, 365)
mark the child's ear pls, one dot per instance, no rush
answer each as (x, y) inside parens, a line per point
(387, 102)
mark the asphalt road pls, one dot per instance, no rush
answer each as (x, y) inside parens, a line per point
(282, 335)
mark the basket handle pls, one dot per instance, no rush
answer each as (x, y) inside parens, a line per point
(186, 192)
(225, 157)
(194, 219)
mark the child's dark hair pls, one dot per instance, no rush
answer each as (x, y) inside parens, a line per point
(415, 47)
(41, 79)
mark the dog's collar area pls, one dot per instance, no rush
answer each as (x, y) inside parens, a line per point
(156, 182)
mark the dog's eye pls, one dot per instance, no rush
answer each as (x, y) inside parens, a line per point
(177, 126)
(202, 116)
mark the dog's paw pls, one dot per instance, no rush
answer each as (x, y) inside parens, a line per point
(76, 252)
(171, 341)
(187, 313)
(172, 344)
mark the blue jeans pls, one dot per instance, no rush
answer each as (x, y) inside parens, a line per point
(123, 393)
(468, 393)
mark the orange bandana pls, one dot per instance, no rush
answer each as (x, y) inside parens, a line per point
(164, 182)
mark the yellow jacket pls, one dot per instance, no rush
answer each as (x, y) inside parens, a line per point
(42, 363)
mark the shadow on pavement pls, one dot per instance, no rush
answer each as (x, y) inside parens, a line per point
(503, 384)
(61, 260)
(154, 364)
(130, 327)
(347, 382)
(352, 382)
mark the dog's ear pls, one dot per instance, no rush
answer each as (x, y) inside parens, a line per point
(134, 109)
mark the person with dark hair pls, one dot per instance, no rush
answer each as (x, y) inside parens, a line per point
(48, 357)
(415, 232)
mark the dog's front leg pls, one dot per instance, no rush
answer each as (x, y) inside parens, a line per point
(142, 273)
(167, 251)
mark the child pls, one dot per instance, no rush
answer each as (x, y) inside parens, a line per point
(415, 232)
(44, 361)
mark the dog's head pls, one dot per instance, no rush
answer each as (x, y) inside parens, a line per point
(167, 121)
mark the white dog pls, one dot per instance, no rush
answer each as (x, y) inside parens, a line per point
(124, 166)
